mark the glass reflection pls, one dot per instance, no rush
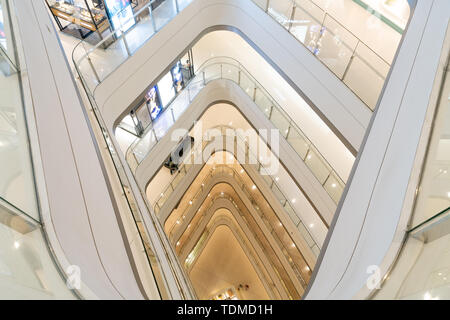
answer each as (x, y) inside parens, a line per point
(423, 268)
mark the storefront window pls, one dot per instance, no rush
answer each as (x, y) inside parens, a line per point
(153, 103)
(177, 75)
(166, 89)
(187, 69)
(160, 96)
(120, 13)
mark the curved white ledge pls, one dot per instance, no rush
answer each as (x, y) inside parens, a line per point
(218, 179)
(224, 90)
(81, 206)
(371, 220)
(331, 99)
(241, 230)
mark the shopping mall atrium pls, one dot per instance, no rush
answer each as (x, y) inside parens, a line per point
(224, 149)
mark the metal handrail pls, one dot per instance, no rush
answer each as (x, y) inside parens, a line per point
(247, 244)
(150, 132)
(263, 216)
(270, 228)
(115, 36)
(165, 195)
(322, 28)
(258, 240)
(132, 203)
